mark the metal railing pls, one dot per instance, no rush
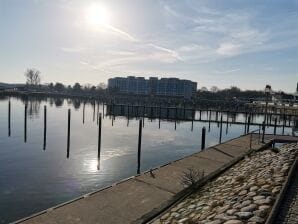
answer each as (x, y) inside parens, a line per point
(259, 136)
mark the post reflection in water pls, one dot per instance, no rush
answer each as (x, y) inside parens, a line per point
(9, 118)
(45, 128)
(68, 134)
(99, 141)
(25, 123)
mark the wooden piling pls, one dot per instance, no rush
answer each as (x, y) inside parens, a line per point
(93, 111)
(84, 112)
(99, 137)
(227, 127)
(144, 108)
(263, 133)
(97, 113)
(9, 118)
(127, 115)
(209, 121)
(68, 133)
(25, 124)
(203, 139)
(103, 110)
(248, 124)
(175, 118)
(275, 124)
(139, 146)
(44, 127)
(284, 123)
(159, 117)
(220, 132)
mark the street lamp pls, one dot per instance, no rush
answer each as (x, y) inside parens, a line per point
(267, 93)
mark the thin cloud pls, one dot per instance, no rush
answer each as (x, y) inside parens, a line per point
(72, 49)
(227, 71)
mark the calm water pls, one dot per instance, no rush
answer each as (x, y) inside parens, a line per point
(33, 179)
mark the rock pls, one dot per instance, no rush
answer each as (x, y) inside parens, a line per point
(251, 194)
(192, 206)
(235, 221)
(256, 219)
(249, 208)
(231, 211)
(244, 215)
(244, 192)
(184, 220)
(253, 188)
(246, 203)
(175, 214)
(165, 216)
(223, 209)
(214, 222)
(276, 190)
(258, 198)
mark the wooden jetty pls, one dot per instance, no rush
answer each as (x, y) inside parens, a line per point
(140, 198)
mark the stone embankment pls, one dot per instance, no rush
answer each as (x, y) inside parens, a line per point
(243, 194)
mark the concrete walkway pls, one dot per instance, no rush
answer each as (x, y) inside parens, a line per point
(132, 200)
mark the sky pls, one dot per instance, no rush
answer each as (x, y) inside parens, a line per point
(214, 42)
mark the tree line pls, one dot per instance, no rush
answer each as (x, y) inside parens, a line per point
(33, 81)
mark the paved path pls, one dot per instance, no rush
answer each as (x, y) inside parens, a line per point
(288, 213)
(131, 200)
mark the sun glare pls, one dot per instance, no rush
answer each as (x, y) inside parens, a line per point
(97, 15)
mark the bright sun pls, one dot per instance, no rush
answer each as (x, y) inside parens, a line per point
(97, 15)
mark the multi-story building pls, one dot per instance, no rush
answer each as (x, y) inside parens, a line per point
(153, 86)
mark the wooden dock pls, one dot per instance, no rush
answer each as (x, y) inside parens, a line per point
(140, 198)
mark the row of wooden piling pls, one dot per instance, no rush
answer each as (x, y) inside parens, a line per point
(141, 125)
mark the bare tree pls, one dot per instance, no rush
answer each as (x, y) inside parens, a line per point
(32, 76)
(192, 176)
(214, 89)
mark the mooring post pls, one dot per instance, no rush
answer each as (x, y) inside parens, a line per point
(25, 124)
(99, 137)
(9, 118)
(175, 118)
(144, 108)
(248, 124)
(209, 121)
(93, 111)
(97, 113)
(227, 127)
(275, 124)
(68, 134)
(159, 117)
(263, 129)
(103, 110)
(139, 146)
(112, 121)
(220, 132)
(245, 123)
(203, 138)
(284, 123)
(84, 112)
(127, 115)
(45, 127)
(200, 115)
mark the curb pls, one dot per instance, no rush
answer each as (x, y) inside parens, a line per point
(275, 209)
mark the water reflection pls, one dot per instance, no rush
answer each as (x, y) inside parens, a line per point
(97, 157)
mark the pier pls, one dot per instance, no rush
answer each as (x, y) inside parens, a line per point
(140, 198)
